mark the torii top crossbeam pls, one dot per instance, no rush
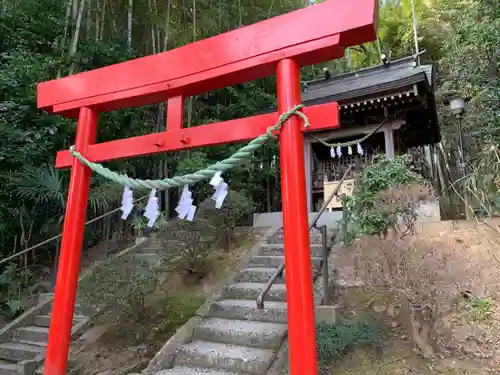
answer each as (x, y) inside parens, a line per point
(311, 35)
(279, 45)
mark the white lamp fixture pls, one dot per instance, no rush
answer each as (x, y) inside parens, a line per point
(457, 104)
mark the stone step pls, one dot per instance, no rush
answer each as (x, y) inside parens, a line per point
(275, 261)
(241, 332)
(228, 357)
(257, 275)
(247, 310)
(16, 351)
(151, 258)
(44, 320)
(8, 368)
(252, 291)
(349, 282)
(76, 315)
(278, 249)
(41, 344)
(263, 274)
(32, 333)
(278, 238)
(194, 371)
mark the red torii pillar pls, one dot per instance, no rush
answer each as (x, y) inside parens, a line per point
(279, 45)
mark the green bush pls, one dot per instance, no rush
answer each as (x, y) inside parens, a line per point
(118, 286)
(191, 241)
(360, 214)
(14, 283)
(227, 217)
(333, 340)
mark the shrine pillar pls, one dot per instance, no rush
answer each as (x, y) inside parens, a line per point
(389, 140)
(308, 160)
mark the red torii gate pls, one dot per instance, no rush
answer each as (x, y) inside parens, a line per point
(279, 45)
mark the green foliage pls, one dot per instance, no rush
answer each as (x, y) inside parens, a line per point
(118, 286)
(139, 223)
(333, 340)
(479, 310)
(360, 215)
(225, 219)
(470, 64)
(14, 282)
(483, 181)
(192, 240)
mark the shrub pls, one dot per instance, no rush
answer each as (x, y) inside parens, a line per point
(361, 215)
(14, 283)
(399, 204)
(425, 277)
(333, 340)
(191, 240)
(227, 217)
(118, 286)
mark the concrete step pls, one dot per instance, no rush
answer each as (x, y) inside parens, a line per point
(274, 261)
(41, 344)
(241, 332)
(16, 351)
(247, 310)
(263, 274)
(44, 320)
(228, 357)
(48, 308)
(8, 368)
(349, 282)
(151, 258)
(278, 238)
(32, 333)
(194, 371)
(279, 249)
(257, 275)
(252, 291)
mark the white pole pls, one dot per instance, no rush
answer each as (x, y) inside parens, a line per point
(415, 35)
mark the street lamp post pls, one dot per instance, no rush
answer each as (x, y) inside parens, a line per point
(457, 106)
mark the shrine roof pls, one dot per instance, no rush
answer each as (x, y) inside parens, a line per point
(400, 89)
(390, 78)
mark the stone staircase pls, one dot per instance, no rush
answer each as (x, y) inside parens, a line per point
(235, 337)
(23, 342)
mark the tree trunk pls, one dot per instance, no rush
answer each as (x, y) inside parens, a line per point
(129, 23)
(103, 14)
(194, 20)
(88, 22)
(167, 26)
(74, 13)
(97, 23)
(158, 36)
(420, 335)
(240, 14)
(65, 34)
(220, 16)
(153, 36)
(76, 35)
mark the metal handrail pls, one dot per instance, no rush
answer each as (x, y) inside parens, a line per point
(279, 271)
